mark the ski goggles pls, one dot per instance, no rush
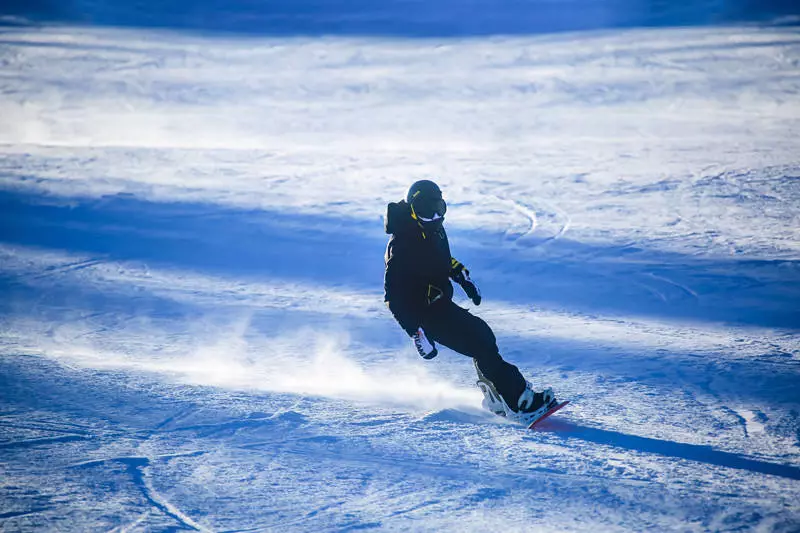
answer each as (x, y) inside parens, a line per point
(428, 210)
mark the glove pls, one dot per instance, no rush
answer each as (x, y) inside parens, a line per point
(461, 275)
(425, 348)
(471, 289)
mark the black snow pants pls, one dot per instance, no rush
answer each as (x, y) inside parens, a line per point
(458, 329)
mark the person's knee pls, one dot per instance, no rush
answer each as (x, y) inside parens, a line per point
(485, 337)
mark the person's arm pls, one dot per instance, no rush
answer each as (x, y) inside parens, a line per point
(460, 275)
(400, 298)
(397, 290)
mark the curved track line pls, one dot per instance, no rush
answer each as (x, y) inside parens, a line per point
(138, 467)
(69, 267)
(680, 286)
(530, 214)
(567, 220)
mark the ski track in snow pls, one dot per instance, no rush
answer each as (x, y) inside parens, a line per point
(531, 238)
(192, 334)
(138, 468)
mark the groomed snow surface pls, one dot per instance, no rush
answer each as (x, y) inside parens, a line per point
(192, 332)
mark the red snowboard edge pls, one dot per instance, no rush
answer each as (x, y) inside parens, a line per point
(548, 413)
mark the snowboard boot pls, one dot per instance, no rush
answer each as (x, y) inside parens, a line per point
(532, 405)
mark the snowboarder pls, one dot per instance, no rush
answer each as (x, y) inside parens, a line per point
(419, 294)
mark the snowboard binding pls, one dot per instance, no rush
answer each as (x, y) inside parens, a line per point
(526, 414)
(492, 401)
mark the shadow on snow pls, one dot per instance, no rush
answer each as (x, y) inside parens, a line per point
(678, 450)
(398, 18)
(340, 252)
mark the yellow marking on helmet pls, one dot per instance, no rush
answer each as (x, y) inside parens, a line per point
(414, 216)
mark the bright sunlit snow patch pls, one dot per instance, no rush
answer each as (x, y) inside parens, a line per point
(303, 362)
(578, 128)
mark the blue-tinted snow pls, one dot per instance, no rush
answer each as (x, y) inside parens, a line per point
(192, 333)
(401, 18)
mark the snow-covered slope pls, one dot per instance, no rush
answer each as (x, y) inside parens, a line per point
(192, 332)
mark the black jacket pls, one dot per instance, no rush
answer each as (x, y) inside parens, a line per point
(418, 267)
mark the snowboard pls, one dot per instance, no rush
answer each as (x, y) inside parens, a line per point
(547, 413)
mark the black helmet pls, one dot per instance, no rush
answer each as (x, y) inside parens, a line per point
(425, 199)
